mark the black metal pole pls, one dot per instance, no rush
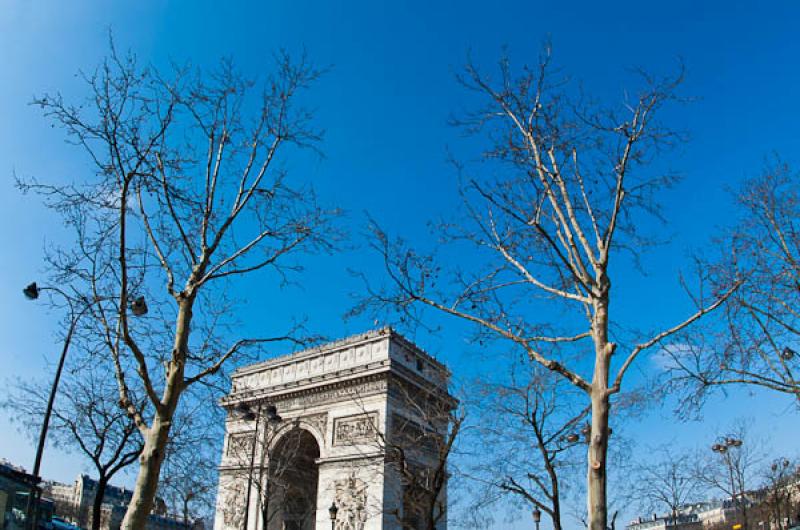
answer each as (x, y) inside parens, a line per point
(265, 522)
(31, 512)
(250, 473)
(53, 390)
(264, 499)
(32, 292)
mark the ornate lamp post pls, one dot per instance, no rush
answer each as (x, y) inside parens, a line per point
(721, 447)
(273, 418)
(537, 516)
(333, 511)
(32, 292)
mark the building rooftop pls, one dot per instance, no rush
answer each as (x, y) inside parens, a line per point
(340, 344)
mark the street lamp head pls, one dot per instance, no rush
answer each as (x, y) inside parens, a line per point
(244, 412)
(31, 292)
(272, 414)
(537, 515)
(139, 306)
(779, 463)
(333, 510)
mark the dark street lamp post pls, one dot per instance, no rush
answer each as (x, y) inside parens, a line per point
(332, 511)
(247, 414)
(537, 516)
(273, 419)
(31, 292)
(721, 448)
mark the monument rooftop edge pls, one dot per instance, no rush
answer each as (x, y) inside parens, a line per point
(374, 351)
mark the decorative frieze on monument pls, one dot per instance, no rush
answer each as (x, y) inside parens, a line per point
(360, 428)
(322, 396)
(240, 443)
(292, 370)
(335, 410)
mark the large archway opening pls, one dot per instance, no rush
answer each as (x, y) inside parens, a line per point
(290, 502)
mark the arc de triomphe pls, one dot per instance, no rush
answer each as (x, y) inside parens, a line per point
(342, 410)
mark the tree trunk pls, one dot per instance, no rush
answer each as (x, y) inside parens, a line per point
(97, 504)
(156, 436)
(556, 515)
(431, 523)
(596, 472)
(144, 492)
(596, 498)
(186, 512)
(265, 505)
(555, 498)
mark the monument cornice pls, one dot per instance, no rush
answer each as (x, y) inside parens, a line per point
(340, 345)
(326, 383)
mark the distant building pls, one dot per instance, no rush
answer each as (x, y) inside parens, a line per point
(111, 519)
(74, 502)
(689, 517)
(702, 515)
(16, 486)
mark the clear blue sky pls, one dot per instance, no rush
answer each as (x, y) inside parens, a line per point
(385, 105)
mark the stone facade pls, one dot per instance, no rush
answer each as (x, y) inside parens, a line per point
(344, 394)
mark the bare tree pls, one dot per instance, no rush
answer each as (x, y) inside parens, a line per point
(536, 417)
(756, 340)
(187, 194)
(544, 236)
(420, 444)
(188, 481)
(665, 480)
(86, 418)
(781, 486)
(732, 469)
(188, 486)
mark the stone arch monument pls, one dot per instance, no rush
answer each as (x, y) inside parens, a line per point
(343, 411)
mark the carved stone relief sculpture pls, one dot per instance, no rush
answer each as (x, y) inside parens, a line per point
(351, 498)
(355, 429)
(233, 503)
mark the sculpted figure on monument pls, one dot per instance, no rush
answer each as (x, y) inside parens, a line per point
(351, 497)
